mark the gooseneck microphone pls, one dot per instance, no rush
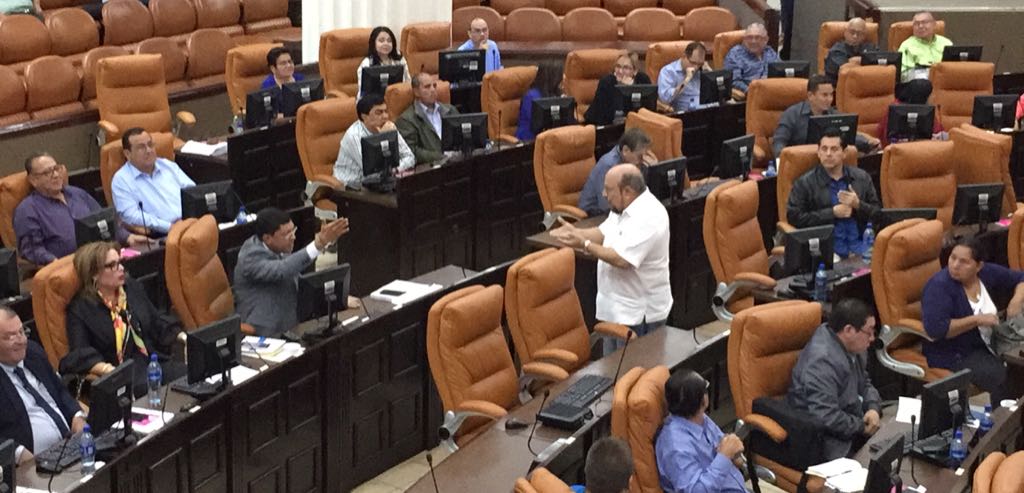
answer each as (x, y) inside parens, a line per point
(913, 440)
(629, 336)
(145, 226)
(430, 462)
(536, 419)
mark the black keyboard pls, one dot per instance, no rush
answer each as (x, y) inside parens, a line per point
(571, 408)
(46, 461)
(201, 390)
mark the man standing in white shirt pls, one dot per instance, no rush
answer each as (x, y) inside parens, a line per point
(631, 247)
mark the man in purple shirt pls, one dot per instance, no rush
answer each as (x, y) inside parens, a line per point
(44, 222)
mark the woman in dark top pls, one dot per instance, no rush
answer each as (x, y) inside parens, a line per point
(607, 99)
(547, 84)
(111, 320)
(959, 308)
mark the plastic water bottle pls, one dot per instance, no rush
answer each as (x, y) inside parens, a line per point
(88, 447)
(155, 376)
(986, 421)
(771, 171)
(957, 451)
(242, 217)
(237, 125)
(869, 241)
(820, 284)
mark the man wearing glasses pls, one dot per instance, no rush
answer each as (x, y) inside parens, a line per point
(679, 81)
(923, 49)
(44, 222)
(478, 40)
(749, 60)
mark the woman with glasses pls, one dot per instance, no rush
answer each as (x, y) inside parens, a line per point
(382, 50)
(111, 320)
(608, 100)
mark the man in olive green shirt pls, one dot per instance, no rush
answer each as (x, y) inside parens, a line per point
(420, 124)
(923, 49)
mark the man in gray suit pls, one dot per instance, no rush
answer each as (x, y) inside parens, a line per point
(267, 270)
(420, 124)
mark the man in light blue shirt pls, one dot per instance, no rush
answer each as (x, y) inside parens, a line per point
(478, 40)
(749, 60)
(147, 189)
(634, 148)
(679, 81)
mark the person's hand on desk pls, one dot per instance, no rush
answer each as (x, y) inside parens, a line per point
(841, 210)
(872, 421)
(568, 234)
(731, 446)
(330, 232)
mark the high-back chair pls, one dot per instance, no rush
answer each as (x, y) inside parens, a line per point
(832, 32)
(53, 287)
(532, 24)
(920, 174)
(722, 44)
(399, 97)
(421, 42)
(541, 481)
(704, 23)
(173, 19)
(983, 157)
(638, 408)
(563, 7)
(52, 87)
(72, 33)
(986, 472)
(173, 57)
(126, 23)
(319, 126)
(24, 38)
(12, 97)
(131, 92)
(271, 17)
(244, 71)
(651, 24)
(112, 158)
(666, 135)
(766, 100)
(867, 92)
(341, 52)
(562, 160)
(589, 24)
(905, 256)
(583, 69)
(207, 51)
(1009, 478)
(505, 7)
(900, 31)
(954, 85)
(90, 64)
(661, 54)
(1014, 246)
(500, 96)
(462, 17)
(793, 162)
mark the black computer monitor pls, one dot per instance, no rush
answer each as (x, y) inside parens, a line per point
(887, 217)
(261, 107)
(790, 69)
(10, 282)
(715, 86)
(894, 58)
(994, 112)
(97, 226)
(737, 157)
(963, 53)
(978, 203)
(884, 467)
(9, 464)
(217, 198)
(911, 121)
(111, 397)
(665, 179)
(462, 66)
(944, 404)
(464, 132)
(547, 113)
(380, 159)
(376, 79)
(636, 96)
(845, 122)
(214, 349)
(807, 248)
(296, 94)
(324, 293)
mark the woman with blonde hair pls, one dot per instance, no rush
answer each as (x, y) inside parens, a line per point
(607, 101)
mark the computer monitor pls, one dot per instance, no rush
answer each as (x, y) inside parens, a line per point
(111, 397)
(894, 58)
(978, 203)
(887, 217)
(790, 69)
(845, 122)
(944, 404)
(961, 53)
(461, 66)
(665, 179)
(376, 79)
(911, 121)
(9, 464)
(10, 281)
(217, 198)
(884, 467)
(807, 248)
(464, 132)
(97, 226)
(296, 94)
(737, 157)
(214, 349)
(715, 86)
(261, 107)
(380, 159)
(547, 113)
(324, 293)
(636, 96)
(994, 112)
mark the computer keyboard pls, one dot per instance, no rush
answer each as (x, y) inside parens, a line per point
(46, 460)
(572, 407)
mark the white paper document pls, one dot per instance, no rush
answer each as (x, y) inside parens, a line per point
(399, 292)
(849, 482)
(204, 149)
(238, 375)
(834, 468)
(908, 406)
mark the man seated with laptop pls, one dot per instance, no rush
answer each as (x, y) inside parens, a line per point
(793, 123)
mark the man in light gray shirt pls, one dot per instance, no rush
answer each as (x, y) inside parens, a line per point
(373, 119)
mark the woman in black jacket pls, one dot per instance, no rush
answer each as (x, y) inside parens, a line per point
(608, 100)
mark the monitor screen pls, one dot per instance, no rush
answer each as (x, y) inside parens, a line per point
(715, 86)
(464, 132)
(887, 217)
(377, 78)
(665, 179)
(957, 53)
(884, 465)
(461, 66)
(790, 69)
(380, 153)
(845, 122)
(96, 226)
(111, 396)
(296, 94)
(636, 96)
(261, 107)
(737, 157)
(978, 203)
(214, 349)
(807, 248)
(944, 404)
(217, 198)
(882, 58)
(910, 122)
(323, 293)
(548, 113)
(994, 112)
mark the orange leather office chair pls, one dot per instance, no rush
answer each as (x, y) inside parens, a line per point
(421, 43)
(732, 237)
(832, 32)
(52, 87)
(532, 24)
(173, 58)
(661, 54)
(52, 289)
(544, 314)
(541, 481)
(983, 157)
(207, 52)
(73, 32)
(920, 174)
(651, 24)
(112, 158)
(173, 19)
(399, 97)
(131, 92)
(505, 7)
(583, 69)
(244, 70)
(13, 189)
(766, 100)
(866, 92)
(470, 362)
(563, 7)
(683, 7)
(621, 8)
(269, 17)
(12, 97)
(463, 16)
(1010, 476)
(794, 161)
(589, 24)
(500, 96)
(638, 409)
(24, 38)
(666, 135)
(986, 472)
(562, 160)
(954, 85)
(764, 345)
(90, 62)
(723, 43)
(1014, 247)
(704, 23)
(126, 23)
(341, 51)
(900, 31)
(319, 126)
(222, 15)
(905, 256)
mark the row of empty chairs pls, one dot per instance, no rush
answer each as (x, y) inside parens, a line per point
(617, 7)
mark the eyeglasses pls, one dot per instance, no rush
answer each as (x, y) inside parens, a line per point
(51, 171)
(481, 30)
(16, 336)
(115, 265)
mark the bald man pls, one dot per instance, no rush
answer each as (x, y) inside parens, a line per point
(631, 247)
(479, 39)
(849, 50)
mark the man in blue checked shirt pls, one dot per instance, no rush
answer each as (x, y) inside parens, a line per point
(749, 60)
(478, 40)
(679, 81)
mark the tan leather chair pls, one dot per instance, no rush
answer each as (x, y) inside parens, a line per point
(399, 97)
(920, 174)
(131, 92)
(905, 256)
(341, 52)
(126, 23)
(900, 31)
(470, 362)
(173, 58)
(563, 7)
(112, 158)
(319, 126)
(832, 32)
(704, 23)
(983, 157)
(666, 133)
(661, 54)
(723, 43)
(638, 408)
(90, 62)
(583, 69)
(207, 53)
(72, 33)
(12, 97)
(421, 43)
(562, 160)
(589, 24)
(458, 4)
(1010, 476)
(505, 7)
(986, 472)
(532, 24)
(683, 7)
(53, 287)
(173, 19)
(541, 481)
(52, 88)
(271, 18)
(222, 15)
(23, 38)
(954, 85)
(793, 162)
(622, 8)
(763, 348)
(500, 96)
(1014, 247)
(651, 24)
(244, 70)
(766, 100)
(13, 189)
(544, 313)
(462, 17)
(732, 239)
(866, 92)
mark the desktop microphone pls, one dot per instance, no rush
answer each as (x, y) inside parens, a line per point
(536, 419)
(145, 226)
(497, 143)
(629, 336)
(913, 440)
(430, 462)
(1000, 55)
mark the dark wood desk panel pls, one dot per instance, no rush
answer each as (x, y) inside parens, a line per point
(703, 133)
(507, 204)
(265, 166)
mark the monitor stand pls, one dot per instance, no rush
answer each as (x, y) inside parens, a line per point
(328, 330)
(384, 182)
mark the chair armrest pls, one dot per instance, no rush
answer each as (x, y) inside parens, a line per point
(784, 227)
(768, 426)
(508, 139)
(761, 280)
(914, 327)
(889, 334)
(328, 180)
(108, 127)
(663, 107)
(481, 408)
(186, 118)
(778, 251)
(571, 210)
(741, 285)
(617, 331)
(453, 419)
(539, 370)
(559, 356)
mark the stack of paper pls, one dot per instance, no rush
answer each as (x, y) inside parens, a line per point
(400, 292)
(204, 149)
(842, 474)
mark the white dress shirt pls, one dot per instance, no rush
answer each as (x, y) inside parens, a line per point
(348, 168)
(433, 115)
(44, 431)
(640, 235)
(158, 193)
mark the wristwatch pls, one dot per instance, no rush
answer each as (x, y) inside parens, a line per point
(586, 245)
